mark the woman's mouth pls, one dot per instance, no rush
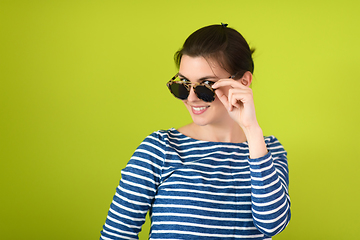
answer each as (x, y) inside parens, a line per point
(198, 110)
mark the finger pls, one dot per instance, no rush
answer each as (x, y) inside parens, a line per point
(228, 82)
(244, 95)
(234, 99)
(222, 97)
(242, 100)
(235, 102)
(239, 97)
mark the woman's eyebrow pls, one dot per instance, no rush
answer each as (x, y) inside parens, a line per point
(180, 75)
(201, 79)
(208, 77)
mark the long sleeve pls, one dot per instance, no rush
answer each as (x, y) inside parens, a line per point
(136, 191)
(200, 190)
(269, 185)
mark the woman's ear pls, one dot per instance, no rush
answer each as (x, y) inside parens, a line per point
(246, 79)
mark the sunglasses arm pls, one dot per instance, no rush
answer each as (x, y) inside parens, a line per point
(174, 77)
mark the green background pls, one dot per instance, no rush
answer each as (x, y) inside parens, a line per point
(83, 83)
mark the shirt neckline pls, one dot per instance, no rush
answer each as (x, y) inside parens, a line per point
(204, 141)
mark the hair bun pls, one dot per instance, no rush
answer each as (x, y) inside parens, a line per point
(224, 25)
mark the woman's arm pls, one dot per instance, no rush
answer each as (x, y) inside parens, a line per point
(269, 185)
(136, 190)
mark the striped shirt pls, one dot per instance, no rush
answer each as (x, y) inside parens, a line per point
(200, 190)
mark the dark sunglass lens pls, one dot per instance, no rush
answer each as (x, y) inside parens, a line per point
(205, 93)
(179, 90)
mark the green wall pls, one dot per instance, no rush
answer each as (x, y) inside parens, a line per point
(83, 82)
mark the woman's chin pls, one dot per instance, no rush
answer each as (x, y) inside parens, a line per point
(200, 121)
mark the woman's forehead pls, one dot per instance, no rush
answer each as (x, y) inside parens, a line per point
(199, 67)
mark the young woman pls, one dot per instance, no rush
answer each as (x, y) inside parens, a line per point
(217, 177)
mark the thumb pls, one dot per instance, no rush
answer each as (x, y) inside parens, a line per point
(222, 97)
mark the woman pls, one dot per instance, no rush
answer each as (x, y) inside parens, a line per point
(217, 177)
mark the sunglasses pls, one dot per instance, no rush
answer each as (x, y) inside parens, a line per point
(181, 89)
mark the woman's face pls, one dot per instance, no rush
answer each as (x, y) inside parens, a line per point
(198, 70)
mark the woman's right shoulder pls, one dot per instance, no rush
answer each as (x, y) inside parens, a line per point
(166, 137)
(160, 136)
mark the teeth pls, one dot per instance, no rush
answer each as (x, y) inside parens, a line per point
(199, 108)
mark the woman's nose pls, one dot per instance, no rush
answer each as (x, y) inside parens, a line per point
(192, 96)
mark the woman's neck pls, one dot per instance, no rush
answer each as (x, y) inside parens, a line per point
(231, 132)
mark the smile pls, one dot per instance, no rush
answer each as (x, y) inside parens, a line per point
(199, 110)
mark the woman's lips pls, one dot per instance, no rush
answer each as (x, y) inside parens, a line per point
(198, 109)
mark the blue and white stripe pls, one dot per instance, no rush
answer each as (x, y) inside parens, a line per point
(200, 190)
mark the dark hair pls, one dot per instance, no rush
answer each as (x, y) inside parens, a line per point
(221, 43)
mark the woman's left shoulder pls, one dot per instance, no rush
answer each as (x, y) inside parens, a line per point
(273, 144)
(270, 139)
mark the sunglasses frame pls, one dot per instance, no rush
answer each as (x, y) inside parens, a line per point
(188, 86)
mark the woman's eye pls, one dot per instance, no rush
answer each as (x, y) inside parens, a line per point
(183, 80)
(208, 83)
